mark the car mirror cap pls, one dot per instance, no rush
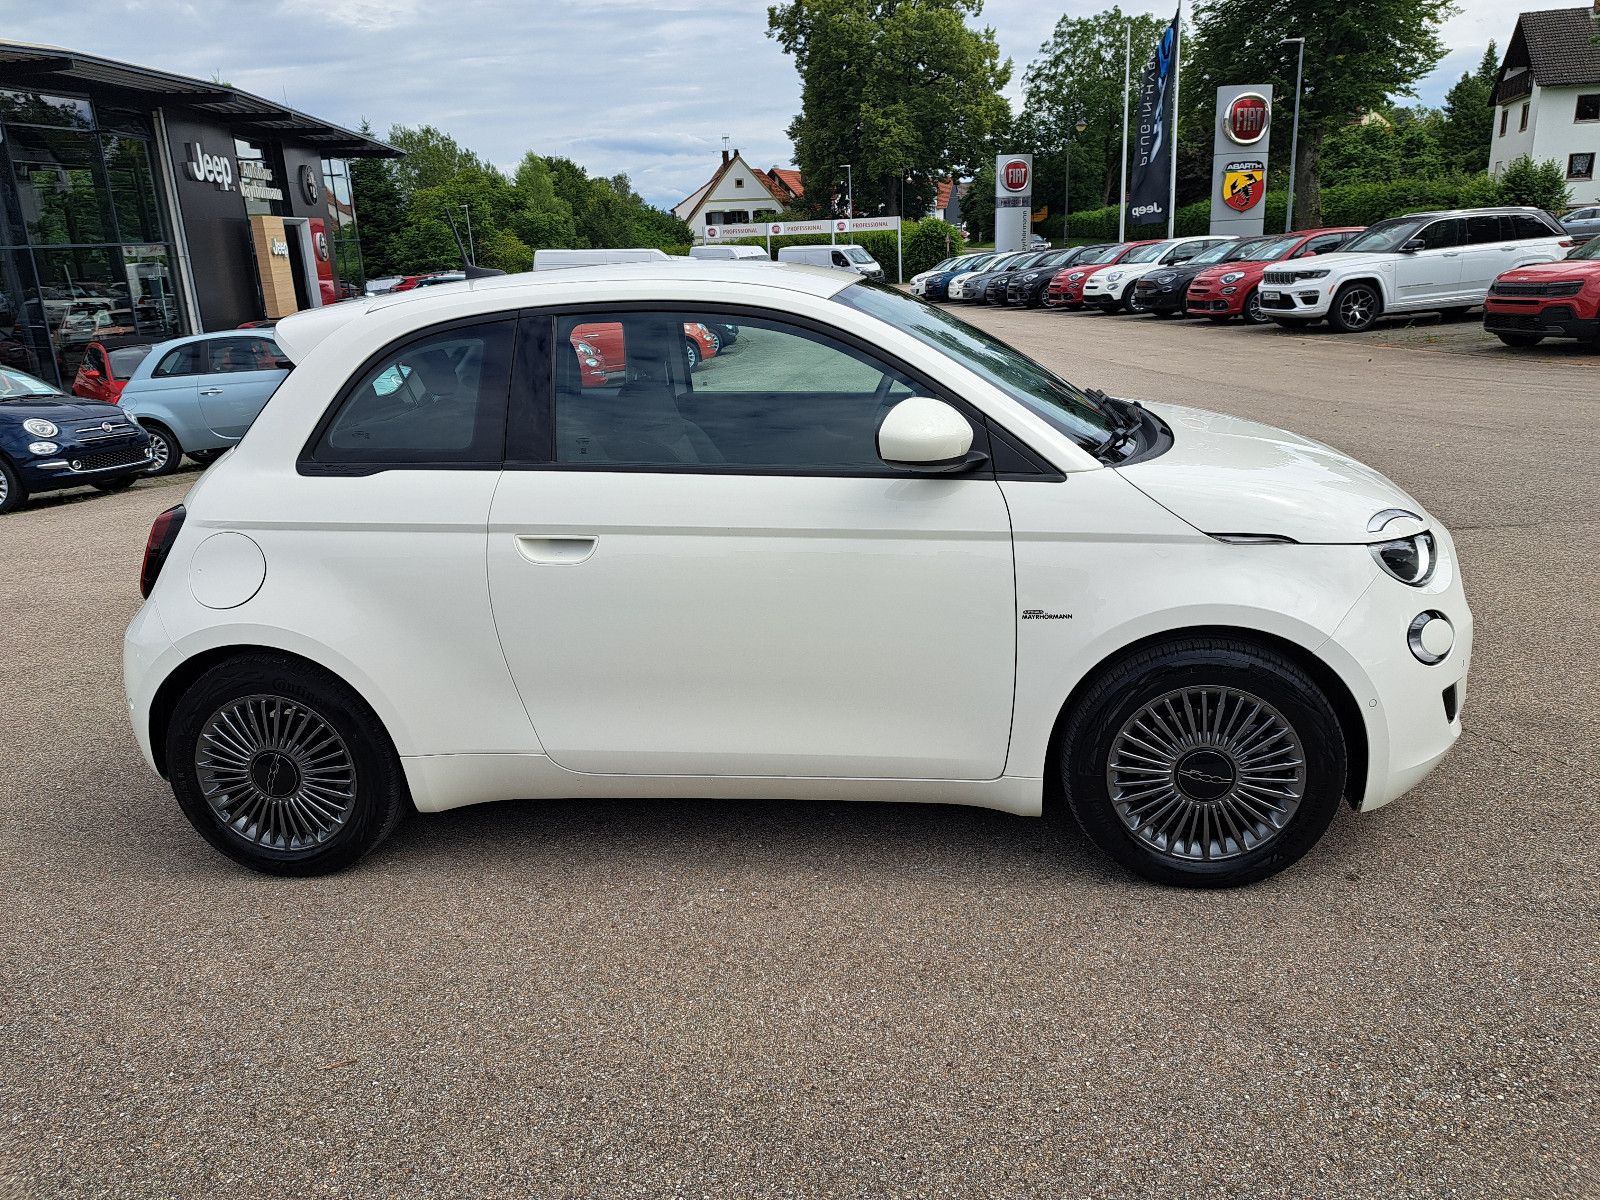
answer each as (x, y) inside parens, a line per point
(922, 432)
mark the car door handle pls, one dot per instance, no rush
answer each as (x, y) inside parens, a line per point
(211, 391)
(555, 551)
(1452, 254)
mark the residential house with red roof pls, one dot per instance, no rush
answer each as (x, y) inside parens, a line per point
(739, 194)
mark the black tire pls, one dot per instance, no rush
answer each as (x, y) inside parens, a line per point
(1520, 341)
(1252, 311)
(1356, 308)
(1096, 722)
(692, 352)
(378, 797)
(12, 494)
(120, 484)
(168, 454)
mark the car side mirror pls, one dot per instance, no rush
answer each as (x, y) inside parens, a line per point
(89, 372)
(924, 434)
(282, 364)
(1308, 254)
(1413, 246)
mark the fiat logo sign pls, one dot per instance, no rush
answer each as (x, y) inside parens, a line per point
(1015, 176)
(1248, 118)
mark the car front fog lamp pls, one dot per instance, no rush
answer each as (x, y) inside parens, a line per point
(1410, 560)
(1431, 637)
(1233, 277)
(40, 427)
(42, 447)
(1228, 291)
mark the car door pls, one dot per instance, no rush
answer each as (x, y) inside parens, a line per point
(716, 575)
(1484, 256)
(1432, 273)
(168, 392)
(240, 374)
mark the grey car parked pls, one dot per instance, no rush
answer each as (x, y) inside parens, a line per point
(199, 395)
(1583, 223)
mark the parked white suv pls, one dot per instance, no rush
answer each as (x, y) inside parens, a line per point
(873, 554)
(1112, 290)
(1426, 262)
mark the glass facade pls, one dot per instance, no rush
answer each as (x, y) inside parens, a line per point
(343, 237)
(85, 248)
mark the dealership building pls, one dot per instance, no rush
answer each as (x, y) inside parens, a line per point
(136, 206)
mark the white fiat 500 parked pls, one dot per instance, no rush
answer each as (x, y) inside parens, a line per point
(867, 553)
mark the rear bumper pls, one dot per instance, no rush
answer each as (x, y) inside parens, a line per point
(1559, 319)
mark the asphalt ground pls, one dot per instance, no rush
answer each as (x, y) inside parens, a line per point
(737, 999)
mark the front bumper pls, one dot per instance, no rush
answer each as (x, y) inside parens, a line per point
(1306, 301)
(1210, 302)
(1153, 298)
(1411, 711)
(77, 463)
(1551, 320)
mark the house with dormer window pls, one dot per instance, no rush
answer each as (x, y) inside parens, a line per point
(738, 194)
(1547, 97)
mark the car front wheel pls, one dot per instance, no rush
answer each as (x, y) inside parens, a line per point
(1254, 314)
(692, 352)
(1520, 341)
(282, 767)
(165, 453)
(1355, 308)
(1204, 762)
(12, 494)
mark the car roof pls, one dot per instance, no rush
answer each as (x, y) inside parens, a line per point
(298, 333)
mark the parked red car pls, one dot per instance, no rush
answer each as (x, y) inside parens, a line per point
(1232, 289)
(1066, 289)
(1555, 299)
(105, 368)
(602, 353)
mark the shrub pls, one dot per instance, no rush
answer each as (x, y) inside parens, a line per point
(1543, 184)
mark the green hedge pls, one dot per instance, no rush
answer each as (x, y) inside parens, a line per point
(1352, 204)
(923, 244)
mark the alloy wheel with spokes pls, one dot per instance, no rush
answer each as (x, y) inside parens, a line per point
(275, 773)
(1254, 314)
(1206, 773)
(1355, 308)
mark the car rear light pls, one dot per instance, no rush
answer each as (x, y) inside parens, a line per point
(158, 545)
(1566, 243)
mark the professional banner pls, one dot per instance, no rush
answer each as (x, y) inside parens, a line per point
(1155, 127)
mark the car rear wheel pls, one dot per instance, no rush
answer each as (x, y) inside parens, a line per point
(1355, 308)
(120, 484)
(1520, 341)
(166, 455)
(1205, 762)
(1253, 313)
(283, 768)
(12, 494)
(692, 352)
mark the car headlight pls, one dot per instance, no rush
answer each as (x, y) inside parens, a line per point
(1233, 277)
(1030, 277)
(1301, 276)
(1074, 277)
(42, 447)
(585, 348)
(40, 427)
(1411, 560)
(1113, 276)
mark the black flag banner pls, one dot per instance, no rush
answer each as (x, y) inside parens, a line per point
(1150, 180)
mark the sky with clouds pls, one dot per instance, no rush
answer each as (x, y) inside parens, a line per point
(644, 87)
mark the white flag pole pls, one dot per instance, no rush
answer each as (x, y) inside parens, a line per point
(1177, 69)
(1127, 82)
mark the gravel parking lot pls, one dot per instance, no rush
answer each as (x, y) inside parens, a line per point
(714, 999)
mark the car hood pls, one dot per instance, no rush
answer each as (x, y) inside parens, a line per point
(62, 411)
(1227, 475)
(1549, 272)
(1250, 269)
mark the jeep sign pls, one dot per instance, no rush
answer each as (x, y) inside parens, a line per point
(215, 169)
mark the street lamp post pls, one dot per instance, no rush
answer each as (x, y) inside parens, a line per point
(1294, 140)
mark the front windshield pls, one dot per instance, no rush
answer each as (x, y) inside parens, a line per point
(1057, 258)
(1049, 396)
(1589, 251)
(1150, 253)
(1266, 250)
(1099, 260)
(14, 384)
(857, 255)
(1222, 252)
(1385, 237)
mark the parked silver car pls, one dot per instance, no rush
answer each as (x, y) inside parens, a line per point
(1583, 223)
(198, 395)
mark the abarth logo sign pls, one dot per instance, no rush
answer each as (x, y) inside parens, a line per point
(216, 169)
(1247, 119)
(1244, 183)
(1015, 176)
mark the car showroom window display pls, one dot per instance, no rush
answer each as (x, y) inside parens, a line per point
(421, 584)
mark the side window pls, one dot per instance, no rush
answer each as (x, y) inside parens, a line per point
(839, 260)
(436, 400)
(228, 356)
(1326, 244)
(1522, 227)
(762, 395)
(184, 360)
(1442, 235)
(1483, 229)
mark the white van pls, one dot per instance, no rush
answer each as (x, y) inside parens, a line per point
(845, 256)
(551, 260)
(727, 252)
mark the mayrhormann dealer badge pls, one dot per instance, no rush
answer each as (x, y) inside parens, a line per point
(1244, 183)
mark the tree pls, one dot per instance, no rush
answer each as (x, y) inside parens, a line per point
(902, 90)
(431, 157)
(1542, 184)
(1357, 55)
(1469, 117)
(380, 212)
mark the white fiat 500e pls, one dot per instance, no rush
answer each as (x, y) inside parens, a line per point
(498, 541)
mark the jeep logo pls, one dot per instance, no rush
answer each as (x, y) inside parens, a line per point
(208, 168)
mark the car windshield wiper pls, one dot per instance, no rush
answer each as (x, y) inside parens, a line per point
(1131, 421)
